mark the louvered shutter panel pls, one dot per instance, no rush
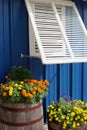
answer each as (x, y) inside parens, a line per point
(60, 34)
(33, 47)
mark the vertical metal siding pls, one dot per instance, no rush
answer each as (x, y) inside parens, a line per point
(4, 38)
(77, 81)
(36, 68)
(65, 79)
(19, 31)
(13, 35)
(51, 75)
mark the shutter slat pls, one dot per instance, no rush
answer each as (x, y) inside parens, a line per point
(60, 34)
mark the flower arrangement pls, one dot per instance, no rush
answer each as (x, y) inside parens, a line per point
(25, 90)
(68, 114)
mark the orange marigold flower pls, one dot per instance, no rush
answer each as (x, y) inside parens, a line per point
(40, 83)
(31, 89)
(30, 95)
(39, 90)
(33, 80)
(6, 88)
(43, 86)
(46, 82)
(6, 77)
(4, 94)
(26, 95)
(34, 92)
(34, 88)
(31, 83)
(3, 86)
(24, 92)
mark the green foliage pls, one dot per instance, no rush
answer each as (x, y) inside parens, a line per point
(19, 74)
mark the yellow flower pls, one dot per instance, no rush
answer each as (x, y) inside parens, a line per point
(59, 110)
(48, 110)
(16, 85)
(52, 107)
(78, 117)
(50, 119)
(20, 85)
(86, 105)
(68, 122)
(64, 125)
(78, 124)
(82, 119)
(59, 120)
(63, 117)
(21, 82)
(74, 125)
(85, 122)
(69, 110)
(51, 112)
(72, 113)
(11, 88)
(55, 115)
(10, 92)
(56, 118)
(52, 102)
(67, 117)
(19, 88)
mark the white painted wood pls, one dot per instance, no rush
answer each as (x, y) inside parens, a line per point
(63, 2)
(59, 31)
(33, 47)
(28, 5)
(62, 30)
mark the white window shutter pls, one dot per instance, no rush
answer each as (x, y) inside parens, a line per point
(60, 34)
(33, 47)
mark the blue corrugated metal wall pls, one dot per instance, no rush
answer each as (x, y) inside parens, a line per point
(13, 35)
(69, 79)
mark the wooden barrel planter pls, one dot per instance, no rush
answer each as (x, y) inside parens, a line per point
(56, 126)
(19, 116)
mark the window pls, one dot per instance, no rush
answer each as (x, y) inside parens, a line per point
(59, 35)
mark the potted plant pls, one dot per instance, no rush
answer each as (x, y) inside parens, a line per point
(21, 100)
(68, 115)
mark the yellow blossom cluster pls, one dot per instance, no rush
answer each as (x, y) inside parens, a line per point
(70, 114)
